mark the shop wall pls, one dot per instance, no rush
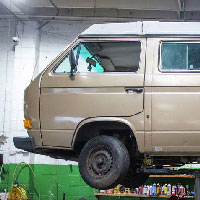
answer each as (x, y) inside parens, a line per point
(47, 182)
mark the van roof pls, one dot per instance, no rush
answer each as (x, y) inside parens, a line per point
(143, 28)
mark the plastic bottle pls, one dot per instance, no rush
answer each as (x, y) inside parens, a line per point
(173, 190)
(137, 190)
(187, 190)
(148, 190)
(141, 190)
(182, 190)
(162, 190)
(165, 189)
(145, 190)
(151, 190)
(169, 190)
(154, 189)
(178, 188)
(157, 189)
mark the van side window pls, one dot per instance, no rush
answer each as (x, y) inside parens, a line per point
(100, 57)
(123, 56)
(180, 56)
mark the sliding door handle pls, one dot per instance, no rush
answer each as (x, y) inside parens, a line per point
(134, 90)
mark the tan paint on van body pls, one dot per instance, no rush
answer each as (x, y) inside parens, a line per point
(165, 118)
(31, 109)
(175, 111)
(87, 95)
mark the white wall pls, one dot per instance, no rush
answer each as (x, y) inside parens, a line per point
(56, 36)
(18, 64)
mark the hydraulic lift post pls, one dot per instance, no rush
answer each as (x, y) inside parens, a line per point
(197, 186)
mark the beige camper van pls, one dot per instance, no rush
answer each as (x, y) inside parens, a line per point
(121, 97)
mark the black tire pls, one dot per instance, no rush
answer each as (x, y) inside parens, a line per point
(135, 181)
(103, 161)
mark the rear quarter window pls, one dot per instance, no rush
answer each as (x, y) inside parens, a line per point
(180, 56)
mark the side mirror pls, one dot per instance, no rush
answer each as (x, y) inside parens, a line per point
(91, 61)
(72, 62)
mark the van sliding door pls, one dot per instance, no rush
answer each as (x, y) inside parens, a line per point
(175, 93)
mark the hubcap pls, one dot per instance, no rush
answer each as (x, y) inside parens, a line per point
(100, 161)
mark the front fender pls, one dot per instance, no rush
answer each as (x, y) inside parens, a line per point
(98, 119)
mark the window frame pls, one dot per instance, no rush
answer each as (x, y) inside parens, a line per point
(174, 71)
(98, 40)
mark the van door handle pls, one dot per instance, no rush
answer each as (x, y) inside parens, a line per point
(134, 90)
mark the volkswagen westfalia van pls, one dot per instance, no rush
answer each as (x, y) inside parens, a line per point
(120, 97)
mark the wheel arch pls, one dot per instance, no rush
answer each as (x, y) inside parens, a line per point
(101, 120)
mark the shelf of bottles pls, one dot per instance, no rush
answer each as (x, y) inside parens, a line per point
(136, 195)
(155, 190)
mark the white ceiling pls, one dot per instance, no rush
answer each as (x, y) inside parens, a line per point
(124, 10)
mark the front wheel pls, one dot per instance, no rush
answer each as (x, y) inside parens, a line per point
(103, 162)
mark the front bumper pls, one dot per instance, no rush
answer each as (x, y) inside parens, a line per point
(25, 143)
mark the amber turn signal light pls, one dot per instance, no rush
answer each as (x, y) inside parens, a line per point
(27, 124)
